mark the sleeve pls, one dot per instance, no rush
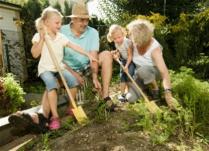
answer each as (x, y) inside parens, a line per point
(129, 42)
(94, 44)
(35, 38)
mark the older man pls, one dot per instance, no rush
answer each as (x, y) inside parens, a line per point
(87, 37)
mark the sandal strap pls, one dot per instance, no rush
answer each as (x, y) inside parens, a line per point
(107, 99)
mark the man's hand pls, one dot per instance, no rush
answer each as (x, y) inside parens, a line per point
(80, 79)
(97, 84)
(75, 74)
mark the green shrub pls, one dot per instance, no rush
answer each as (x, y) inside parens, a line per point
(192, 119)
(161, 126)
(11, 95)
(194, 95)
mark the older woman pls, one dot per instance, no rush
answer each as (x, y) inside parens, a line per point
(148, 58)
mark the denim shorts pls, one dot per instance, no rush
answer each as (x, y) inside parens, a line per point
(50, 79)
(131, 69)
(147, 74)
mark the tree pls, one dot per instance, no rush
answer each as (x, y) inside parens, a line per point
(30, 12)
(58, 6)
(171, 8)
(67, 11)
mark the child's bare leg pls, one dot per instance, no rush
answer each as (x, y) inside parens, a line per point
(45, 107)
(126, 89)
(52, 97)
(122, 87)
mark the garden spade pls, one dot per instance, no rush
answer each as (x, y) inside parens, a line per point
(151, 106)
(77, 110)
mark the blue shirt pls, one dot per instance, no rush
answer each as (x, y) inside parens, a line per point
(89, 41)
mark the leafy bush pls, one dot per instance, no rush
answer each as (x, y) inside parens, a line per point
(194, 95)
(192, 119)
(11, 95)
(161, 126)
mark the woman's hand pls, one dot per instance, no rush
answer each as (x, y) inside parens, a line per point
(172, 102)
(168, 98)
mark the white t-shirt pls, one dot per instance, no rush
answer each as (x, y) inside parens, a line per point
(57, 44)
(123, 48)
(145, 59)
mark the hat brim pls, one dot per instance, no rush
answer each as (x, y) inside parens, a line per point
(79, 16)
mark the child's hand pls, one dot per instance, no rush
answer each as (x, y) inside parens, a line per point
(42, 35)
(42, 31)
(126, 69)
(115, 54)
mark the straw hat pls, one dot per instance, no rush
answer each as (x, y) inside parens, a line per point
(79, 10)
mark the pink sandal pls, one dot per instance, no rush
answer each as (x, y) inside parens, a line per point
(54, 124)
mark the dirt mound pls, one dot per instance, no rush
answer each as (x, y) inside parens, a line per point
(113, 134)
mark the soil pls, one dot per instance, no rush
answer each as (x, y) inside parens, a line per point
(113, 132)
(111, 135)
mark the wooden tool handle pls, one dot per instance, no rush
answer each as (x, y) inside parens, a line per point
(54, 59)
(132, 80)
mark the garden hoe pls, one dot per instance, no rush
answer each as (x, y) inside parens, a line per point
(151, 106)
(77, 110)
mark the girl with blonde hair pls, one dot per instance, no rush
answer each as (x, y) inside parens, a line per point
(50, 23)
(123, 51)
(47, 117)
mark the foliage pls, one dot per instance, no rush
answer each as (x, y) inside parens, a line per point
(192, 119)
(11, 94)
(18, 2)
(193, 93)
(155, 18)
(161, 126)
(114, 9)
(45, 140)
(201, 66)
(34, 86)
(67, 12)
(30, 12)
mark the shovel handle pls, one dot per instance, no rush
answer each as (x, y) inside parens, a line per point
(132, 80)
(54, 59)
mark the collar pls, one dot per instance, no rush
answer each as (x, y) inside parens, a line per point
(56, 37)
